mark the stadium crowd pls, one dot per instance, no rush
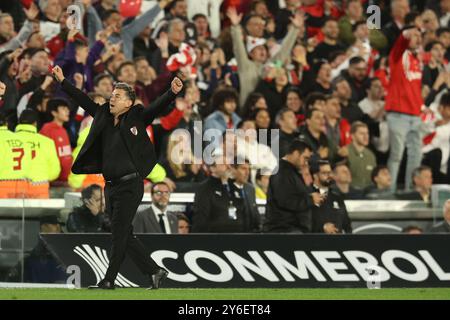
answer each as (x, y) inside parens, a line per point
(362, 110)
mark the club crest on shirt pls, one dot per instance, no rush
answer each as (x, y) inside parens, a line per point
(134, 131)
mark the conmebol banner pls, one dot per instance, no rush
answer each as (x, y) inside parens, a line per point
(257, 261)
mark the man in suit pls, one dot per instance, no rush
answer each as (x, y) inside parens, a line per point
(119, 148)
(444, 226)
(156, 218)
(289, 200)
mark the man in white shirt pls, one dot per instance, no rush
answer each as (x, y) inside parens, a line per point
(156, 218)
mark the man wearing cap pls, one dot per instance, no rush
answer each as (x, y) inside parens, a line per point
(252, 57)
(118, 147)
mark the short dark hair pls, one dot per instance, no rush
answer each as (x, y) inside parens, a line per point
(411, 17)
(55, 103)
(298, 145)
(199, 15)
(222, 95)
(128, 89)
(372, 80)
(87, 192)
(445, 100)
(311, 111)
(376, 171)
(182, 216)
(251, 16)
(239, 160)
(281, 113)
(108, 13)
(161, 183)
(311, 98)
(315, 166)
(356, 60)
(255, 112)
(123, 65)
(250, 102)
(357, 24)
(431, 44)
(417, 171)
(28, 116)
(139, 58)
(342, 163)
(100, 77)
(334, 54)
(442, 30)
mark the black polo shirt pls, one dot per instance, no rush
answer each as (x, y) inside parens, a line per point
(116, 160)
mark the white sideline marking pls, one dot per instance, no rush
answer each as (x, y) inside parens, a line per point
(19, 285)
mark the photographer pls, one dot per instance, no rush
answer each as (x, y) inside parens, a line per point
(331, 216)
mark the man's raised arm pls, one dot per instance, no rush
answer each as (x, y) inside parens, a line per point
(77, 95)
(159, 107)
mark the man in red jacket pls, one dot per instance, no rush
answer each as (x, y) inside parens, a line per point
(404, 104)
(59, 109)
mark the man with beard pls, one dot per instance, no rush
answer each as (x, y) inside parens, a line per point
(331, 215)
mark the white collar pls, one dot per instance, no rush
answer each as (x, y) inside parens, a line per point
(157, 211)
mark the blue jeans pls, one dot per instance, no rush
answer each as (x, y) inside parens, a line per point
(404, 130)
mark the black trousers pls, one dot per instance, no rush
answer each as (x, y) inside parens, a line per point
(122, 201)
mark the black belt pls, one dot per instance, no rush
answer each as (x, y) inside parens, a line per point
(124, 178)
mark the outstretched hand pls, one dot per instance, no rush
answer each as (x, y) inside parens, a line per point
(176, 85)
(58, 73)
(234, 17)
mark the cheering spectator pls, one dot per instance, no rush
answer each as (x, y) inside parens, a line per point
(403, 104)
(251, 70)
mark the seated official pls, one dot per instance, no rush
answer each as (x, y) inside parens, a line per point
(156, 218)
(217, 205)
(422, 179)
(381, 188)
(89, 217)
(343, 179)
(444, 226)
(331, 215)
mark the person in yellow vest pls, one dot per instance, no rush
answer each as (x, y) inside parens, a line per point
(10, 178)
(81, 181)
(36, 157)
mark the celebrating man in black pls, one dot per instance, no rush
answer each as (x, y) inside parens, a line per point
(118, 147)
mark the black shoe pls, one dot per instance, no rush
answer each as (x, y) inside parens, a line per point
(158, 278)
(104, 284)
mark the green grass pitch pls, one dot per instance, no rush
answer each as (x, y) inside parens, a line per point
(227, 294)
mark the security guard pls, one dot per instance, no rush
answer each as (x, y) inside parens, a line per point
(9, 175)
(331, 216)
(37, 159)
